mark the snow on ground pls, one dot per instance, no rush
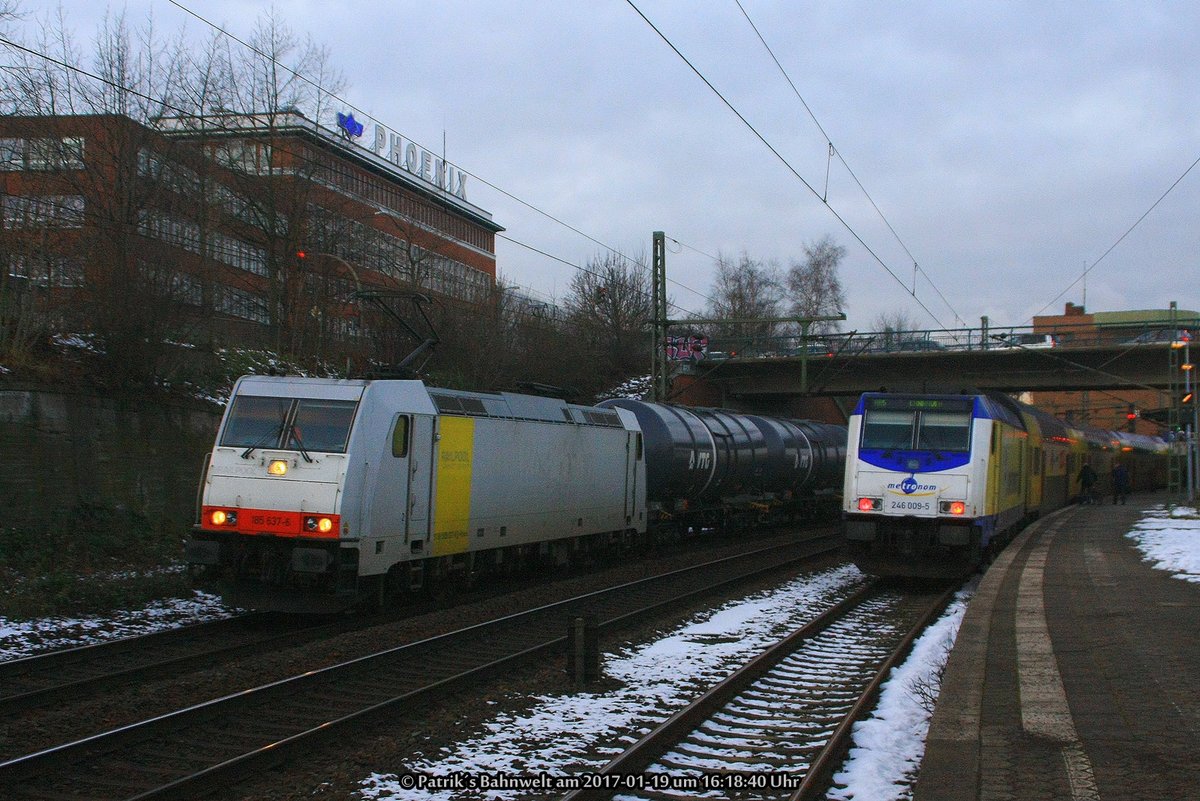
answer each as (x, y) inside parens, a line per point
(889, 745)
(557, 734)
(1170, 540)
(27, 637)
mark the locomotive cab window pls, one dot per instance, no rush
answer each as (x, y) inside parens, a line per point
(944, 431)
(303, 424)
(256, 422)
(400, 437)
(888, 429)
(321, 425)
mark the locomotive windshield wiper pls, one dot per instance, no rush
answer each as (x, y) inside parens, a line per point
(266, 438)
(300, 443)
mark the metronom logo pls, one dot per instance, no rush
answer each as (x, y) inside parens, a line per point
(910, 485)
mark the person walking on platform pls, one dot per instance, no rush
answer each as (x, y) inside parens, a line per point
(1120, 482)
(1087, 480)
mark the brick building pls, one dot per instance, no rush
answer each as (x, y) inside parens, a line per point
(193, 227)
(1133, 328)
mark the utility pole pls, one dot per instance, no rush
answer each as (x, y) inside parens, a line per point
(805, 324)
(659, 322)
(660, 367)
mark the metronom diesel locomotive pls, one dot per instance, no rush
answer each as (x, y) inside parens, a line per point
(937, 484)
(322, 493)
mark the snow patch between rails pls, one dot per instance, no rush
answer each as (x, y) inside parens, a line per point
(889, 745)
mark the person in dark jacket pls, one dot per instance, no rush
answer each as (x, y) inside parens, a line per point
(1120, 483)
(1087, 481)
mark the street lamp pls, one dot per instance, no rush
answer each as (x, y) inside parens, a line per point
(304, 255)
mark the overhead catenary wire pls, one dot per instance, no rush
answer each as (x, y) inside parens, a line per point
(835, 151)
(1120, 239)
(218, 128)
(475, 176)
(783, 160)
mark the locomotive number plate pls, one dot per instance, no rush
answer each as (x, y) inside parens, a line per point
(908, 505)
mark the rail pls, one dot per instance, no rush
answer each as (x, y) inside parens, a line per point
(646, 767)
(195, 749)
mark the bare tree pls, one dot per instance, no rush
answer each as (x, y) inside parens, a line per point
(891, 326)
(748, 290)
(127, 294)
(268, 89)
(813, 284)
(608, 309)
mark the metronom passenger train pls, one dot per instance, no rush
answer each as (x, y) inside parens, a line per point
(320, 494)
(937, 484)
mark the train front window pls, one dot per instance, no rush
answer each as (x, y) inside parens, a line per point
(944, 431)
(256, 422)
(888, 429)
(321, 425)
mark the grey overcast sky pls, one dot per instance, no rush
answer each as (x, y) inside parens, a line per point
(1009, 144)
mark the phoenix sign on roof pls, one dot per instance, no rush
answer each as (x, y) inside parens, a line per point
(406, 154)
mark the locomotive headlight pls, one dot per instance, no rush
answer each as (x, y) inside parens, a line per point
(277, 467)
(953, 507)
(218, 518)
(869, 504)
(324, 525)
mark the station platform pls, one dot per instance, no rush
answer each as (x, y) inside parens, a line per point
(1075, 675)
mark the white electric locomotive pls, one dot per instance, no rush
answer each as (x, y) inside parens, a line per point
(320, 492)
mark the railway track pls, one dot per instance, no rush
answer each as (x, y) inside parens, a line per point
(66, 674)
(780, 725)
(195, 749)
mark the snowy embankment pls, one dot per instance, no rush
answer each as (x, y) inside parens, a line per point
(28, 637)
(578, 733)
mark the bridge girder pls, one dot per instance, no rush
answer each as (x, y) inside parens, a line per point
(1005, 370)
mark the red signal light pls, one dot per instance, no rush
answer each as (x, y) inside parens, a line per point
(300, 254)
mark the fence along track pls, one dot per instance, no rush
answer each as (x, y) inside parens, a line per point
(199, 748)
(779, 725)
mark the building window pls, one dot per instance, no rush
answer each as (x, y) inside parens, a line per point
(42, 154)
(170, 230)
(45, 270)
(45, 211)
(244, 156)
(237, 253)
(172, 175)
(245, 305)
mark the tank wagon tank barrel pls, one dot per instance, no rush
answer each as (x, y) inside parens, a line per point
(695, 454)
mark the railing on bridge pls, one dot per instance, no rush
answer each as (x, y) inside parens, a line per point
(993, 338)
